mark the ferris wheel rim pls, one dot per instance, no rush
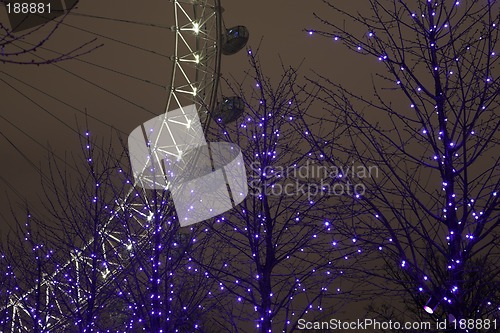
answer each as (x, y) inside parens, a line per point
(207, 104)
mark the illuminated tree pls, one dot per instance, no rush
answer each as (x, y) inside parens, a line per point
(104, 255)
(431, 129)
(161, 287)
(25, 264)
(7, 281)
(59, 258)
(275, 256)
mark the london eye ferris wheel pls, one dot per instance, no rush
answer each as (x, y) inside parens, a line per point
(200, 40)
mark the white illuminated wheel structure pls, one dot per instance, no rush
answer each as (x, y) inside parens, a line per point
(200, 40)
(197, 57)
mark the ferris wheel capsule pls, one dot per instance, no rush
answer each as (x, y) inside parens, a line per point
(234, 39)
(229, 110)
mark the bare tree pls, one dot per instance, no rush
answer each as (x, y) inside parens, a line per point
(108, 255)
(60, 257)
(160, 285)
(6, 287)
(275, 257)
(431, 129)
(27, 260)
